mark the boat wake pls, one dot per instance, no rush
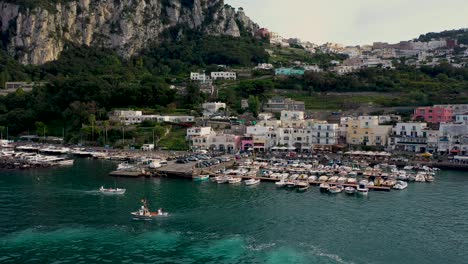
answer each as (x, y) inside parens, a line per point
(316, 251)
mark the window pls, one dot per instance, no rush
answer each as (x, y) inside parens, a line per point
(327, 134)
(286, 138)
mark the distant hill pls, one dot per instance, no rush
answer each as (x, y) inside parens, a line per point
(461, 35)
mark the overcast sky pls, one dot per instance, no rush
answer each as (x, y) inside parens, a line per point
(356, 21)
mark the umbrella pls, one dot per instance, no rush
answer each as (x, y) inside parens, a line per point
(283, 148)
(291, 148)
(274, 148)
(426, 155)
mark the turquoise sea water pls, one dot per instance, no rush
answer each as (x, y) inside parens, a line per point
(57, 216)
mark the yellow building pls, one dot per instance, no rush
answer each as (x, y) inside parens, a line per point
(365, 130)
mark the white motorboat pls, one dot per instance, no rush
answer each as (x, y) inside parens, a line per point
(252, 182)
(335, 189)
(350, 190)
(222, 179)
(429, 178)
(342, 179)
(301, 184)
(352, 181)
(400, 185)
(333, 179)
(324, 187)
(280, 183)
(420, 178)
(125, 166)
(290, 184)
(323, 178)
(303, 187)
(313, 178)
(234, 180)
(362, 189)
(111, 190)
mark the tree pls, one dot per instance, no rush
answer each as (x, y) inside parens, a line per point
(106, 125)
(92, 122)
(158, 132)
(41, 129)
(254, 105)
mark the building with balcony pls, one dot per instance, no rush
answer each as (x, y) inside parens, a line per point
(412, 137)
(223, 75)
(210, 109)
(433, 114)
(365, 130)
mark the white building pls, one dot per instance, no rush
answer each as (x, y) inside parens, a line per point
(198, 132)
(217, 142)
(195, 76)
(210, 109)
(453, 138)
(224, 75)
(292, 115)
(265, 66)
(342, 70)
(411, 137)
(461, 118)
(312, 68)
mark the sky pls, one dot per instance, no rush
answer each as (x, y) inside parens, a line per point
(356, 22)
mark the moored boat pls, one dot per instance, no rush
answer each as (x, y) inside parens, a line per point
(362, 189)
(280, 183)
(201, 177)
(400, 185)
(234, 180)
(222, 179)
(335, 189)
(324, 187)
(350, 190)
(252, 181)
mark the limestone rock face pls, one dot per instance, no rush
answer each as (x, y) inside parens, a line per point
(38, 35)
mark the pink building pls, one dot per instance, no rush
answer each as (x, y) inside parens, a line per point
(433, 114)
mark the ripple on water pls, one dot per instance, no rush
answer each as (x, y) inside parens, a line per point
(221, 250)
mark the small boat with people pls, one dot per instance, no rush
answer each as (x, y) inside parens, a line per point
(144, 212)
(111, 190)
(252, 181)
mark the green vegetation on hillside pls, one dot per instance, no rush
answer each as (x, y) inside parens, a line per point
(88, 81)
(461, 35)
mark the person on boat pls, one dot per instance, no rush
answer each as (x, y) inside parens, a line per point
(160, 211)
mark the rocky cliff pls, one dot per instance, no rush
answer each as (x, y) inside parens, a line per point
(35, 35)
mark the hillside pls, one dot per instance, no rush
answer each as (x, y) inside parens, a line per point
(35, 32)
